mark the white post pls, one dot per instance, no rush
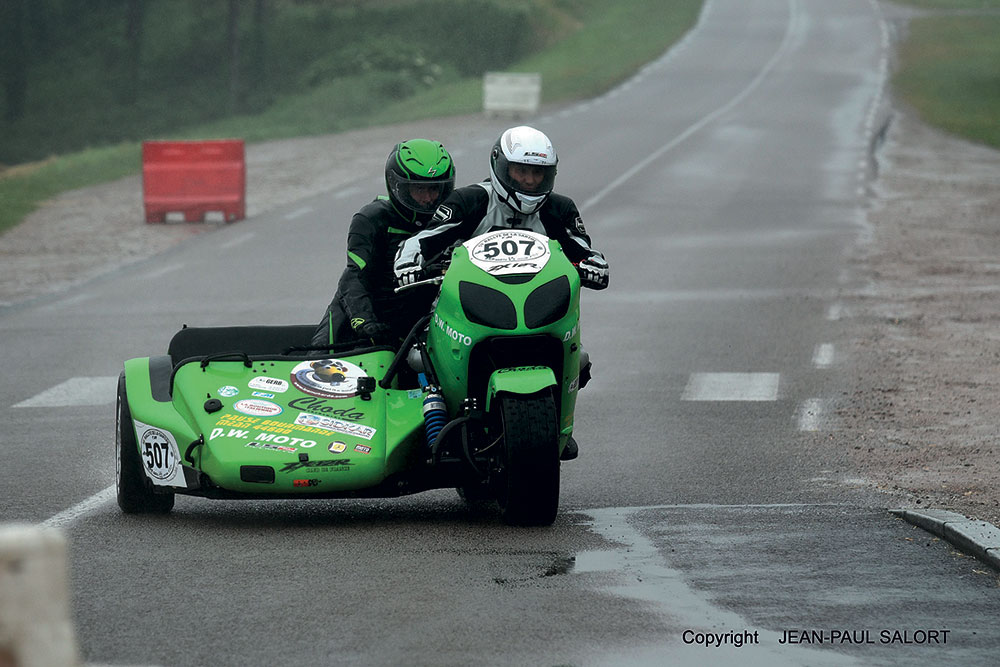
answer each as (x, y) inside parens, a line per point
(35, 625)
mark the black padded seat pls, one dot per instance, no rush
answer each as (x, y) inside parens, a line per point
(253, 340)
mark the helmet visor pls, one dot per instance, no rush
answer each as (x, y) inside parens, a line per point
(419, 195)
(532, 180)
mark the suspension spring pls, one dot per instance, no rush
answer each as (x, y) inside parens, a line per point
(435, 415)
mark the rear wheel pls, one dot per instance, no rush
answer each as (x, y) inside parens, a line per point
(134, 493)
(527, 485)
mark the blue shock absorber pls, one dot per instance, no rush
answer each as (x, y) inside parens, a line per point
(435, 414)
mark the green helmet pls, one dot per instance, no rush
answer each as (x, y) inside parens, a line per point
(419, 174)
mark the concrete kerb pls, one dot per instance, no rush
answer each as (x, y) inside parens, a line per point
(976, 538)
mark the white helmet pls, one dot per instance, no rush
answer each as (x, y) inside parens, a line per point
(523, 146)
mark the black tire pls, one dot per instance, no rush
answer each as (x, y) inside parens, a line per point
(527, 487)
(135, 493)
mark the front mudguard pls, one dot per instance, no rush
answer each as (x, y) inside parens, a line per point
(525, 380)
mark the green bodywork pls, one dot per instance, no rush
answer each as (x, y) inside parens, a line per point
(341, 456)
(235, 426)
(452, 336)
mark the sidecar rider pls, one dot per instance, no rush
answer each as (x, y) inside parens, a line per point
(419, 175)
(518, 195)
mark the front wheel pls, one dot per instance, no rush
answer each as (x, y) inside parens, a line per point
(134, 494)
(527, 484)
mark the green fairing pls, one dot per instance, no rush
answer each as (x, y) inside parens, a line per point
(450, 329)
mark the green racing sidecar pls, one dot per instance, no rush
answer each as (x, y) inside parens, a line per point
(480, 397)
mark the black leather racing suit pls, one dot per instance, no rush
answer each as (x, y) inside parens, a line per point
(474, 210)
(365, 292)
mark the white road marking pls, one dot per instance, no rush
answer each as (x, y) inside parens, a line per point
(69, 301)
(709, 118)
(640, 571)
(87, 506)
(75, 392)
(163, 271)
(347, 192)
(298, 213)
(732, 387)
(647, 297)
(823, 355)
(239, 240)
(811, 415)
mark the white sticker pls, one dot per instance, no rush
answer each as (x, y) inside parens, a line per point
(160, 456)
(276, 385)
(336, 425)
(257, 408)
(509, 251)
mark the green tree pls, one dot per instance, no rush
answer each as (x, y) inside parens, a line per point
(13, 58)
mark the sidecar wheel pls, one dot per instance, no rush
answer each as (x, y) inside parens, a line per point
(134, 494)
(528, 484)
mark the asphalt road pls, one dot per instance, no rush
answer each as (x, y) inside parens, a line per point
(701, 523)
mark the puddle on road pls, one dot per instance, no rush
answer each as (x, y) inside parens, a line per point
(639, 572)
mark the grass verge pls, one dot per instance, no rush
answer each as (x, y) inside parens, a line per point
(949, 67)
(610, 42)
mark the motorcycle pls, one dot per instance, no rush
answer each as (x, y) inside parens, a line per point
(479, 397)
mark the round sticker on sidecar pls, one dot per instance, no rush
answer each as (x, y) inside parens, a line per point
(327, 378)
(509, 251)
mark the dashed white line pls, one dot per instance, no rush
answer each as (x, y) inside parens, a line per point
(75, 392)
(823, 355)
(347, 192)
(811, 415)
(732, 387)
(298, 213)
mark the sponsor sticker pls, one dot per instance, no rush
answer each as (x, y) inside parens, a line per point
(336, 425)
(228, 391)
(337, 447)
(264, 383)
(256, 407)
(327, 378)
(363, 449)
(269, 446)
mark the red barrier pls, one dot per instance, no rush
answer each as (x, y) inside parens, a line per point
(194, 178)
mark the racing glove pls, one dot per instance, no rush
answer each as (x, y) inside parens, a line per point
(378, 332)
(407, 273)
(594, 272)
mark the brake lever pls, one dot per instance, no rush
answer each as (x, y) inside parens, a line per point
(436, 280)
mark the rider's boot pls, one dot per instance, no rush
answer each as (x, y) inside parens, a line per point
(570, 451)
(585, 366)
